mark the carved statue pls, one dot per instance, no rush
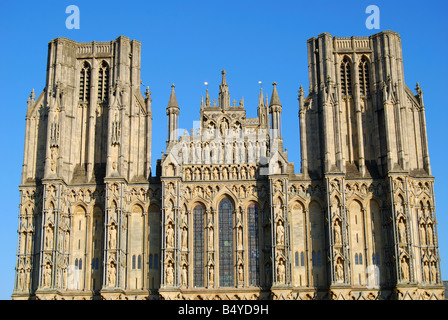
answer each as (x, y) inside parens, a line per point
(211, 274)
(402, 230)
(111, 274)
(404, 269)
(280, 271)
(210, 238)
(339, 271)
(337, 232)
(184, 238)
(112, 236)
(49, 237)
(169, 274)
(170, 236)
(240, 272)
(240, 238)
(184, 275)
(280, 233)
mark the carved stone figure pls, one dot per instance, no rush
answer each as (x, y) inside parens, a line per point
(170, 236)
(112, 236)
(280, 271)
(280, 233)
(402, 230)
(169, 274)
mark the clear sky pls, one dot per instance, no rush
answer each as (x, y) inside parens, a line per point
(190, 42)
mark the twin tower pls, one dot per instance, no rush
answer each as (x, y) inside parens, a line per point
(224, 215)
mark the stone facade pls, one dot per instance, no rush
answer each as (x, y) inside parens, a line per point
(225, 216)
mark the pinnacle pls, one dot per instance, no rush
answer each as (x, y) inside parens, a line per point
(173, 100)
(275, 100)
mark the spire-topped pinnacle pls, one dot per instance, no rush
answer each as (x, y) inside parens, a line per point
(260, 98)
(275, 100)
(173, 100)
(224, 96)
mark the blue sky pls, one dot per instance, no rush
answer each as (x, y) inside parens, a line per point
(190, 42)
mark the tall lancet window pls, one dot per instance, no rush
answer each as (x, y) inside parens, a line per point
(346, 77)
(253, 244)
(198, 221)
(226, 272)
(103, 82)
(84, 83)
(364, 83)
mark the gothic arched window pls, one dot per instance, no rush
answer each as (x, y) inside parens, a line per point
(346, 77)
(253, 244)
(84, 83)
(364, 83)
(226, 273)
(198, 241)
(103, 82)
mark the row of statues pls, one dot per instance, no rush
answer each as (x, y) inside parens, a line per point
(217, 152)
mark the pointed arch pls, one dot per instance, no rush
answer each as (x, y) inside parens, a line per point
(346, 76)
(84, 82)
(226, 243)
(198, 244)
(364, 75)
(103, 82)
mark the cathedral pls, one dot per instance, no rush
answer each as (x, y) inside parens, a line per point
(224, 215)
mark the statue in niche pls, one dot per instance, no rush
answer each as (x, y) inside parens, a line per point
(215, 173)
(225, 174)
(197, 174)
(206, 153)
(433, 272)
(183, 275)
(169, 274)
(240, 272)
(185, 152)
(224, 127)
(49, 236)
(404, 269)
(240, 238)
(426, 271)
(228, 152)
(243, 173)
(402, 231)
(111, 274)
(210, 238)
(234, 174)
(184, 238)
(242, 192)
(53, 158)
(337, 232)
(207, 174)
(213, 152)
(197, 152)
(170, 236)
(280, 233)
(430, 236)
(277, 186)
(339, 270)
(241, 152)
(211, 274)
(250, 152)
(211, 130)
(280, 271)
(47, 274)
(423, 234)
(252, 172)
(188, 174)
(237, 129)
(112, 236)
